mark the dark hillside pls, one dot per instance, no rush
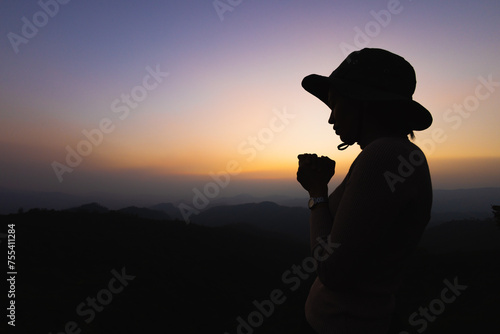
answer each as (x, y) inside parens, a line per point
(269, 216)
(197, 279)
(189, 278)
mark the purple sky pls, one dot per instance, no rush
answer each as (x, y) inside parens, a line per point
(178, 89)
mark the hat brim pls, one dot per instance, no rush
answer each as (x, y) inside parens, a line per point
(418, 116)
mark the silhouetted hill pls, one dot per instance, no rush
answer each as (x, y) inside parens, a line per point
(198, 279)
(265, 215)
(463, 204)
(457, 204)
(182, 272)
(12, 200)
(462, 236)
(282, 200)
(89, 208)
(170, 209)
(145, 213)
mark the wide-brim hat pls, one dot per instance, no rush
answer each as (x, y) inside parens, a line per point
(373, 75)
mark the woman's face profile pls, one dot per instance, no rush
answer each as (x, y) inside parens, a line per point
(344, 116)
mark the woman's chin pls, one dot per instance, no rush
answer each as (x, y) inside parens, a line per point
(341, 136)
(347, 140)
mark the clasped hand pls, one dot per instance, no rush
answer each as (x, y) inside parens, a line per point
(314, 173)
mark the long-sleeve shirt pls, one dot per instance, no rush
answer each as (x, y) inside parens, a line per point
(377, 217)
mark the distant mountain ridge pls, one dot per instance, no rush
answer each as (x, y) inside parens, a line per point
(89, 208)
(448, 205)
(168, 208)
(217, 274)
(145, 213)
(270, 216)
(462, 236)
(463, 204)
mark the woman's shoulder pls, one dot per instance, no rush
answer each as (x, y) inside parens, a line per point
(387, 151)
(390, 146)
(390, 142)
(391, 161)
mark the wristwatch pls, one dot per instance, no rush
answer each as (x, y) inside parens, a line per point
(313, 201)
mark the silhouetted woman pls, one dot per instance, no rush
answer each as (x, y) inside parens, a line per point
(362, 233)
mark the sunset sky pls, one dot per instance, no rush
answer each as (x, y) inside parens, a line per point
(170, 92)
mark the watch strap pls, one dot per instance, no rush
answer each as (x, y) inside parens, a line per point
(314, 201)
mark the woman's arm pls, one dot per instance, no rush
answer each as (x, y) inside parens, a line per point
(321, 220)
(314, 174)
